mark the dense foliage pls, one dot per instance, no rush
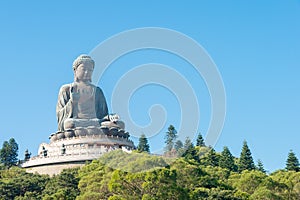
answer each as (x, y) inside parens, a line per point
(198, 173)
(119, 175)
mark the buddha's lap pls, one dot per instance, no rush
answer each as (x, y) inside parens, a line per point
(74, 123)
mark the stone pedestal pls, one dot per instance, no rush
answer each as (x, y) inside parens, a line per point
(75, 151)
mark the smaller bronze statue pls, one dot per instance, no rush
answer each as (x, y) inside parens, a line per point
(63, 149)
(44, 151)
(27, 155)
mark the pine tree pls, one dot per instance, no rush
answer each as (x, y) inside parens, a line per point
(170, 137)
(178, 145)
(227, 160)
(246, 160)
(200, 141)
(189, 151)
(143, 145)
(211, 158)
(9, 153)
(292, 162)
(260, 166)
(179, 148)
(187, 143)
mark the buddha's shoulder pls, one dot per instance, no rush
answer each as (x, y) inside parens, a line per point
(66, 87)
(98, 89)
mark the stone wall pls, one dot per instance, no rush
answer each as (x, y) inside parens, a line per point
(53, 169)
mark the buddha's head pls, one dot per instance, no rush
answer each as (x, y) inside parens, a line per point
(83, 68)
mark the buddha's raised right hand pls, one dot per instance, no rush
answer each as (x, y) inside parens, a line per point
(74, 95)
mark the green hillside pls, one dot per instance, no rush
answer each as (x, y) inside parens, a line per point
(119, 175)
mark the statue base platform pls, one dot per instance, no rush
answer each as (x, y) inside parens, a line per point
(74, 151)
(89, 131)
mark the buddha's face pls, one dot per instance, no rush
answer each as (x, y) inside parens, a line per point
(84, 72)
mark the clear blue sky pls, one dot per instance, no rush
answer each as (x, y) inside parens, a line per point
(255, 45)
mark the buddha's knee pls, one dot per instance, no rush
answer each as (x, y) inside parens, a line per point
(120, 124)
(110, 124)
(69, 124)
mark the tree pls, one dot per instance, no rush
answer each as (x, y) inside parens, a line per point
(15, 183)
(143, 145)
(246, 160)
(9, 153)
(161, 184)
(292, 162)
(179, 148)
(187, 143)
(227, 160)
(211, 158)
(189, 151)
(170, 137)
(260, 166)
(200, 141)
(248, 181)
(287, 183)
(63, 185)
(178, 145)
(93, 179)
(262, 193)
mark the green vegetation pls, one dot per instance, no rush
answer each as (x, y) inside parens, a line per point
(198, 173)
(9, 153)
(292, 162)
(145, 176)
(200, 141)
(260, 166)
(62, 186)
(246, 160)
(170, 138)
(227, 160)
(178, 145)
(15, 183)
(143, 145)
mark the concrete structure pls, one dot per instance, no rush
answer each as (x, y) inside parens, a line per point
(64, 153)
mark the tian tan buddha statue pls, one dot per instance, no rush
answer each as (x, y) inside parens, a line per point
(81, 108)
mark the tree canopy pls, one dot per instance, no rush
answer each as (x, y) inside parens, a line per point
(198, 173)
(170, 138)
(200, 141)
(246, 161)
(260, 166)
(9, 153)
(143, 145)
(292, 162)
(227, 160)
(120, 175)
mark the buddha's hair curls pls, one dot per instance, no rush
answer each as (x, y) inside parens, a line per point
(83, 59)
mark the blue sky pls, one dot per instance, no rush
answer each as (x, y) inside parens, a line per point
(255, 46)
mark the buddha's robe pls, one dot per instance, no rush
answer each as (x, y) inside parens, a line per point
(90, 108)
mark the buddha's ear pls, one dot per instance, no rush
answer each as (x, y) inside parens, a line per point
(75, 76)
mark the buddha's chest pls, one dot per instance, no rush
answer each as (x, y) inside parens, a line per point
(85, 90)
(86, 101)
